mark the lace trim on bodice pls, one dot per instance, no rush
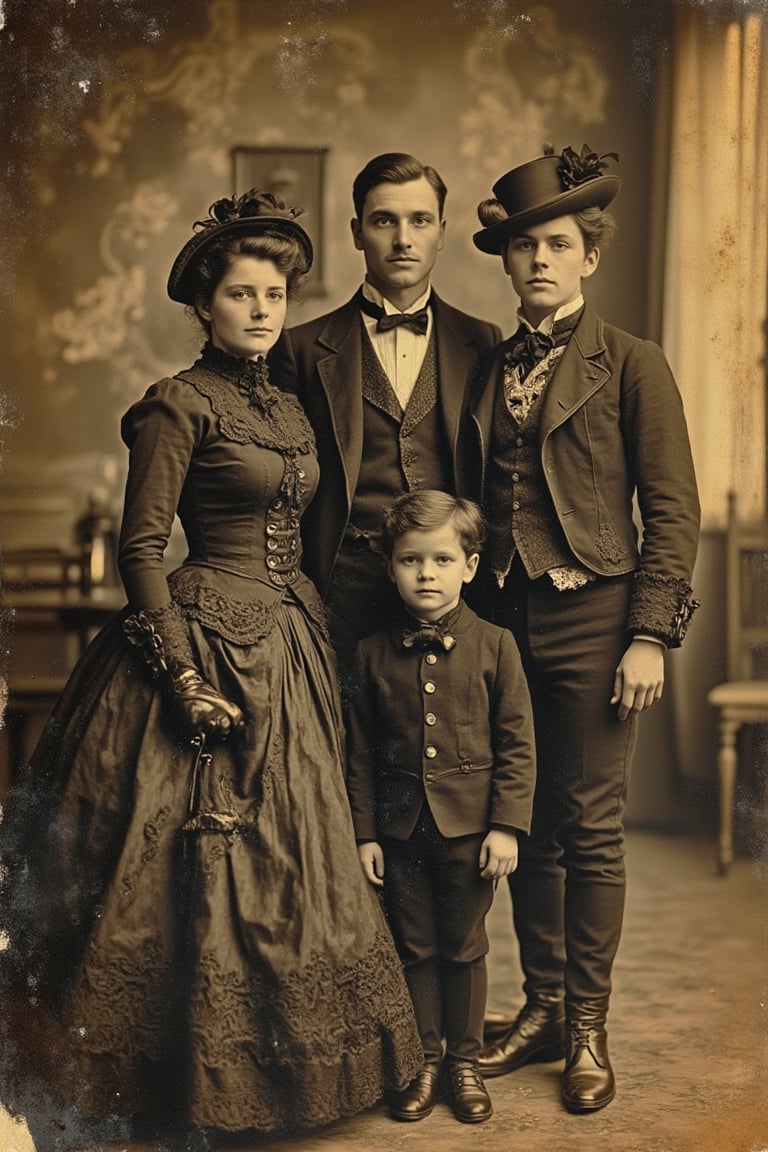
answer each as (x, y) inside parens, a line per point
(250, 410)
(253, 411)
(240, 621)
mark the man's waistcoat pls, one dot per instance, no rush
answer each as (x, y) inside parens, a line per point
(404, 449)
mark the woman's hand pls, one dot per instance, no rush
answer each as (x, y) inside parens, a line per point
(639, 680)
(204, 709)
(498, 854)
(372, 860)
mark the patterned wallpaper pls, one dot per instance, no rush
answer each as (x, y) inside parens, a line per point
(127, 147)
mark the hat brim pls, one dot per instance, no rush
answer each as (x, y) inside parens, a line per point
(180, 285)
(596, 193)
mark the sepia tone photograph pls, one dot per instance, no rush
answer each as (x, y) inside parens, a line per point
(352, 356)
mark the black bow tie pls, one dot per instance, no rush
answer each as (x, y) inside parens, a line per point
(386, 321)
(428, 636)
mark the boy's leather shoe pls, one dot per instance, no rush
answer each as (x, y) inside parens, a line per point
(537, 1035)
(417, 1100)
(466, 1092)
(588, 1080)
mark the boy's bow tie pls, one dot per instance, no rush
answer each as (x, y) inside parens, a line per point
(428, 636)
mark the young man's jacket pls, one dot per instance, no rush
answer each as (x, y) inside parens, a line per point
(322, 362)
(452, 729)
(612, 426)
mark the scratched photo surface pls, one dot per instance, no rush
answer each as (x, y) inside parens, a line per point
(121, 122)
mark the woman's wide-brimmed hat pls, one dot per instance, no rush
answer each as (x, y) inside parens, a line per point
(254, 213)
(542, 190)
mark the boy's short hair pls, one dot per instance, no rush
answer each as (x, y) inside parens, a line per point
(428, 508)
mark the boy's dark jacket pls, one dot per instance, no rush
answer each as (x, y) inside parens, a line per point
(482, 774)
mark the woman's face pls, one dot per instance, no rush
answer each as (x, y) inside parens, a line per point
(247, 310)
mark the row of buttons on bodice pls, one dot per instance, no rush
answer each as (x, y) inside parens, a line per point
(282, 529)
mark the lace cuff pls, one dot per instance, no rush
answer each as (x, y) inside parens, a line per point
(661, 606)
(160, 635)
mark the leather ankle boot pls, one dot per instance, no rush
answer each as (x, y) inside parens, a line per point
(535, 1036)
(466, 1092)
(417, 1100)
(588, 1080)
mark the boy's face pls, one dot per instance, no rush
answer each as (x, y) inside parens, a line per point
(429, 568)
(547, 264)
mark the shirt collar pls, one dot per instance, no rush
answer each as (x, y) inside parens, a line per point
(548, 322)
(373, 294)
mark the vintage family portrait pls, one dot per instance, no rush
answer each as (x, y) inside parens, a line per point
(383, 575)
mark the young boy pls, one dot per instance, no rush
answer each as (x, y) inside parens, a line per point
(441, 776)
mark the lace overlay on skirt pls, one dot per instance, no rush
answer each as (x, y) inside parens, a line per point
(242, 977)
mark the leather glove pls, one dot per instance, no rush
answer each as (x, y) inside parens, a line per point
(203, 708)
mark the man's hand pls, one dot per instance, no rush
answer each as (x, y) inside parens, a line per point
(639, 679)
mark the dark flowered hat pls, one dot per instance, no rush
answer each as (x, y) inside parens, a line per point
(542, 190)
(254, 213)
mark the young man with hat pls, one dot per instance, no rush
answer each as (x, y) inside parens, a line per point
(384, 380)
(575, 420)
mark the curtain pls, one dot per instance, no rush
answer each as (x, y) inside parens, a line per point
(715, 289)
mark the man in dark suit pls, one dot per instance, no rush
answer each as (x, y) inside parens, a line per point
(384, 380)
(575, 420)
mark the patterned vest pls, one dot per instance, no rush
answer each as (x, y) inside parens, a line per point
(404, 450)
(520, 513)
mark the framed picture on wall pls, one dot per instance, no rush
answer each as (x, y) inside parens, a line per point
(297, 176)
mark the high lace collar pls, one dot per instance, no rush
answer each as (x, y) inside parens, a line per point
(248, 407)
(251, 377)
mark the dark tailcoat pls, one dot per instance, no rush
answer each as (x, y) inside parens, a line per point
(612, 426)
(449, 729)
(321, 361)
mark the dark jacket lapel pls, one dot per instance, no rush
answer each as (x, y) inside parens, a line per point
(456, 357)
(340, 372)
(578, 374)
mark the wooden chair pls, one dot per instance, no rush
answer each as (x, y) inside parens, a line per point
(743, 697)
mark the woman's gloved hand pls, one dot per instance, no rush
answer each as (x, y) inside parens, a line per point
(203, 708)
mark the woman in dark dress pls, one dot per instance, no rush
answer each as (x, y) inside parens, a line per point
(186, 904)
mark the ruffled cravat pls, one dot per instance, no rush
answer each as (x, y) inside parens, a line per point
(527, 348)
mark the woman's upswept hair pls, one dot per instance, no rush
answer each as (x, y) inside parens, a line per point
(215, 260)
(427, 509)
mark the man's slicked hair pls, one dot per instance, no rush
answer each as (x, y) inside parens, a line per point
(395, 168)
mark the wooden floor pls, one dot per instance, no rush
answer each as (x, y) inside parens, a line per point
(688, 1032)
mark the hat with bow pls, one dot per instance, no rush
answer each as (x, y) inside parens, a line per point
(254, 213)
(542, 190)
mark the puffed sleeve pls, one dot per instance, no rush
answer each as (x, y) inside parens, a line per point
(162, 432)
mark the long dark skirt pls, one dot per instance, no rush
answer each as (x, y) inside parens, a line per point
(239, 974)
